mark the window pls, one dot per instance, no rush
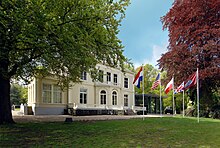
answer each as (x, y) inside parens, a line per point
(108, 77)
(125, 82)
(57, 94)
(51, 94)
(101, 73)
(83, 96)
(47, 93)
(83, 75)
(115, 79)
(114, 98)
(103, 97)
(125, 100)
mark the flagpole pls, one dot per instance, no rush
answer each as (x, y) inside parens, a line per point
(174, 112)
(143, 90)
(183, 103)
(160, 100)
(197, 80)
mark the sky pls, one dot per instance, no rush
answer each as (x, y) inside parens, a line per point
(141, 31)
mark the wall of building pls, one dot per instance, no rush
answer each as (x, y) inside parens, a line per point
(71, 98)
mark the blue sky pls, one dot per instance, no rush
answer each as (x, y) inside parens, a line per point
(141, 31)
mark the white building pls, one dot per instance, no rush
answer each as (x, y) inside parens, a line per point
(113, 93)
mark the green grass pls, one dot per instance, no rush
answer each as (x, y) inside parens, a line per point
(151, 132)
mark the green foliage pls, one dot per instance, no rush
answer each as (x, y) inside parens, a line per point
(215, 112)
(151, 132)
(168, 101)
(64, 37)
(18, 94)
(15, 95)
(61, 37)
(150, 74)
(194, 43)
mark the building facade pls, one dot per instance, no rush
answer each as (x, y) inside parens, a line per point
(113, 93)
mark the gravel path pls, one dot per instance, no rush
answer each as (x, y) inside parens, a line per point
(19, 118)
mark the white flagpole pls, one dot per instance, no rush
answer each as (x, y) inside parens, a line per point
(197, 81)
(183, 103)
(143, 90)
(160, 98)
(174, 110)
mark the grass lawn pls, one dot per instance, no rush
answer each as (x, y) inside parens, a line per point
(151, 132)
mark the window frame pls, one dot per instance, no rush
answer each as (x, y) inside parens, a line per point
(45, 97)
(108, 77)
(126, 82)
(53, 97)
(114, 98)
(57, 94)
(126, 100)
(103, 97)
(84, 75)
(83, 96)
(101, 76)
(115, 79)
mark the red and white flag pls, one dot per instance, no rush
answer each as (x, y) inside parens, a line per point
(169, 86)
(138, 78)
(179, 88)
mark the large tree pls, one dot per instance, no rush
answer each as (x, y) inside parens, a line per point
(64, 37)
(194, 42)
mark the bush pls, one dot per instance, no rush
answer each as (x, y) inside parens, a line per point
(215, 112)
(190, 111)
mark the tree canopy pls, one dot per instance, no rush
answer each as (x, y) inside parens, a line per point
(62, 37)
(194, 42)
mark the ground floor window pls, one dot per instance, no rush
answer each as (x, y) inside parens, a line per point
(103, 97)
(114, 98)
(57, 94)
(51, 93)
(83, 96)
(125, 100)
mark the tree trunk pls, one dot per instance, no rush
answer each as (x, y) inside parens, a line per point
(5, 104)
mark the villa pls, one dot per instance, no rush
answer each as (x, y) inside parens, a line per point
(113, 93)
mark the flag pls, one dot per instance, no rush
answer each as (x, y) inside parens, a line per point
(156, 82)
(138, 78)
(169, 86)
(179, 88)
(191, 82)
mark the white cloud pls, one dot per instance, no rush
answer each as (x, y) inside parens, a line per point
(157, 51)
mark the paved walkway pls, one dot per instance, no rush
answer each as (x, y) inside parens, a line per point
(19, 117)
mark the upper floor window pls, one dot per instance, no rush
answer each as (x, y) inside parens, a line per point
(83, 96)
(103, 97)
(125, 82)
(108, 77)
(84, 75)
(114, 98)
(101, 74)
(125, 100)
(115, 79)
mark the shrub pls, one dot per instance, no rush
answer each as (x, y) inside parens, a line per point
(190, 111)
(215, 112)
